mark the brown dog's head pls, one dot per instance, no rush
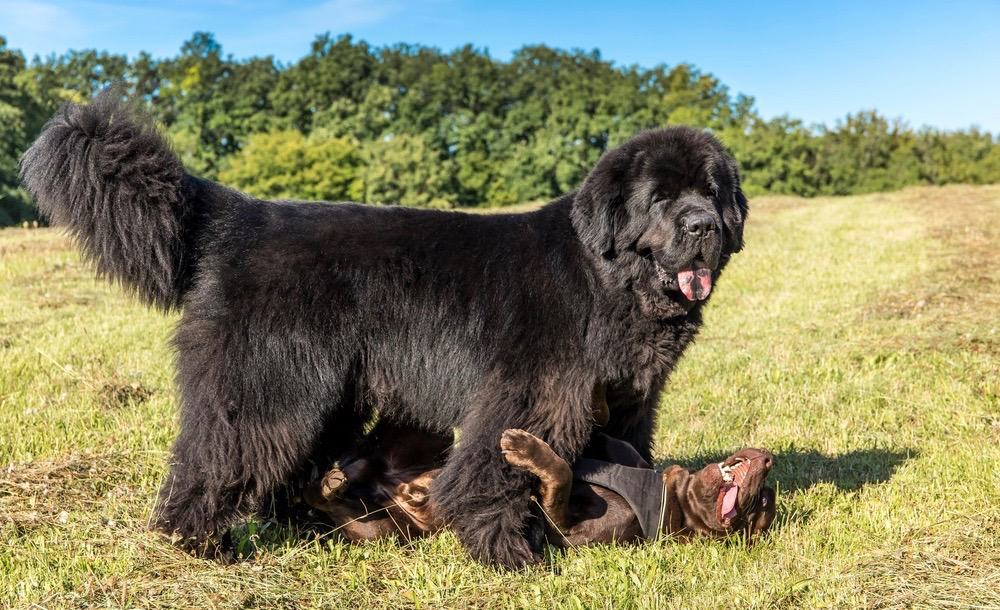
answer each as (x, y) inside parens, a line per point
(728, 497)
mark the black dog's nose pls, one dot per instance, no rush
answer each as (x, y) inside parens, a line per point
(700, 225)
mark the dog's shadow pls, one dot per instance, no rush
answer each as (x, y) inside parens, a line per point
(797, 470)
(800, 469)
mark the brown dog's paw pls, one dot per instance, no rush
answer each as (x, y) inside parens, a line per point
(521, 449)
(334, 483)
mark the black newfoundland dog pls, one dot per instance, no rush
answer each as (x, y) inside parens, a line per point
(301, 321)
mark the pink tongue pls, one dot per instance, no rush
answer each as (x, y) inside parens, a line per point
(729, 502)
(696, 285)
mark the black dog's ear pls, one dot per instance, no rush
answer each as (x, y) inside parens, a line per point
(734, 216)
(599, 212)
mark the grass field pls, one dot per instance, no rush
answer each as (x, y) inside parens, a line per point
(858, 338)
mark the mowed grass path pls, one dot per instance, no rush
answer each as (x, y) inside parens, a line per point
(857, 338)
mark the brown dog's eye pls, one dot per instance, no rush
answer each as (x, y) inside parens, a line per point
(763, 501)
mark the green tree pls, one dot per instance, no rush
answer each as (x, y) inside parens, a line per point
(336, 69)
(943, 157)
(212, 103)
(20, 115)
(287, 165)
(415, 125)
(858, 155)
(404, 169)
(776, 156)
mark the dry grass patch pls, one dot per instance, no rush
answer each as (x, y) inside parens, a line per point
(949, 565)
(44, 492)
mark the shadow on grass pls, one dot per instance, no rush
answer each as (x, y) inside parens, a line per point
(798, 469)
(849, 471)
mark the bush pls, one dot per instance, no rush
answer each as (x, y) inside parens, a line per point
(288, 165)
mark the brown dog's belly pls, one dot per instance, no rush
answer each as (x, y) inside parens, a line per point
(599, 516)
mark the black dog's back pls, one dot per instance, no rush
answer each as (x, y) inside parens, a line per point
(413, 306)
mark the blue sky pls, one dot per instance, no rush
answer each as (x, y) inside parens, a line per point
(931, 63)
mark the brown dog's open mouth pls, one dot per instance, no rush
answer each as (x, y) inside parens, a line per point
(733, 477)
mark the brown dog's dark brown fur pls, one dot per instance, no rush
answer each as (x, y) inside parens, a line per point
(384, 491)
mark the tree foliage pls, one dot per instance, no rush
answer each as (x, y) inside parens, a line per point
(284, 164)
(414, 125)
(20, 119)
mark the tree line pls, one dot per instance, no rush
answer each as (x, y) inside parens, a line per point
(414, 125)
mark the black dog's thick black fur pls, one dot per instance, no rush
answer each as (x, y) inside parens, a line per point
(302, 319)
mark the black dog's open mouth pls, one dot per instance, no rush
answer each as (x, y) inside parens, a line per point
(694, 284)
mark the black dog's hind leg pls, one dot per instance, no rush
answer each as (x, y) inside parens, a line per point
(251, 418)
(485, 500)
(223, 468)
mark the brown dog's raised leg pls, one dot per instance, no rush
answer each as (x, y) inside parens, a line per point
(333, 483)
(526, 451)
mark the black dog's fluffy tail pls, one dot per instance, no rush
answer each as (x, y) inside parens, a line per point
(103, 171)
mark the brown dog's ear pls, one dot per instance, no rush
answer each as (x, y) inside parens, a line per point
(675, 481)
(761, 518)
(675, 477)
(599, 213)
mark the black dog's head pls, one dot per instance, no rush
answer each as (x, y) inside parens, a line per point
(666, 212)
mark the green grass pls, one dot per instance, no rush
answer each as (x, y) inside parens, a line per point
(857, 338)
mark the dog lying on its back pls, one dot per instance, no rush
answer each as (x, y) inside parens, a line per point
(609, 495)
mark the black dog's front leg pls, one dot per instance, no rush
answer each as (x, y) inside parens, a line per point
(632, 418)
(487, 502)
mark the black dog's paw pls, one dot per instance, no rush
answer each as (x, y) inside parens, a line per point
(513, 553)
(218, 548)
(493, 545)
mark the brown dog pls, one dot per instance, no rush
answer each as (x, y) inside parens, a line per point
(610, 495)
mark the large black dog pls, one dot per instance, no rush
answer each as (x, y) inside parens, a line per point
(302, 320)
